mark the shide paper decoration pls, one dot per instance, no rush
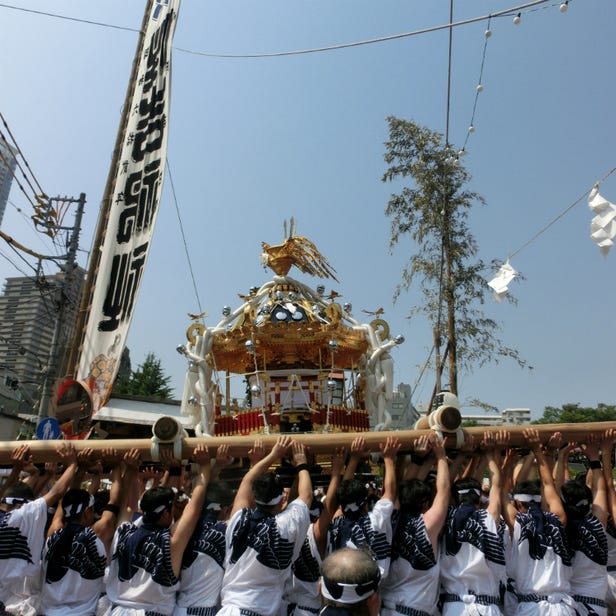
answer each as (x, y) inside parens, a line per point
(603, 225)
(500, 283)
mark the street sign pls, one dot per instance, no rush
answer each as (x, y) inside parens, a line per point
(48, 429)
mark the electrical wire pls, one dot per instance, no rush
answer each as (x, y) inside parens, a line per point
(6, 258)
(57, 16)
(477, 92)
(563, 213)
(16, 145)
(371, 41)
(28, 220)
(445, 227)
(185, 243)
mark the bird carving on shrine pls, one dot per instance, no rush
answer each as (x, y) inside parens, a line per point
(299, 251)
(197, 317)
(374, 313)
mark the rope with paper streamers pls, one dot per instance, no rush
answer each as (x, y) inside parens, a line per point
(506, 272)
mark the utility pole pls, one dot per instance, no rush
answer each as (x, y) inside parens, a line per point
(61, 300)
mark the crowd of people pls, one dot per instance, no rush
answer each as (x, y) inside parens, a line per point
(483, 530)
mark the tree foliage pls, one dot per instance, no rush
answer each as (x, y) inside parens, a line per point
(432, 208)
(574, 413)
(148, 380)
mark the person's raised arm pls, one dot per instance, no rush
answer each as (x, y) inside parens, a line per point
(331, 500)
(188, 521)
(130, 485)
(609, 438)
(105, 526)
(550, 493)
(507, 507)
(561, 466)
(551, 450)
(492, 443)
(389, 451)
(598, 487)
(481, 462)
(525, 466)
(57, 521)
(85, 458)
(94, 473)
(434, 518)
(421, 451)
(223, 460)
(459, 463)
(243, 497)
(359, 452)
(20, 458)
(68, 457)
(44, 479)
(304, 483)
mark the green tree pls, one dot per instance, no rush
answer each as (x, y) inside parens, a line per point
(574, 413)
(148, 380)
(433, 210)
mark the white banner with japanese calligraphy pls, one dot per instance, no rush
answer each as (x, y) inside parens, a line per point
(133, 209)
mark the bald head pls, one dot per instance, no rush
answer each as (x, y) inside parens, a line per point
(350, 578)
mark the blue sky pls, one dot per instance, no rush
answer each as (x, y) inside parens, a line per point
(254, 141)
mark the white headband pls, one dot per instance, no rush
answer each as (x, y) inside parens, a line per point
(583, 501)
(352, 507)
(528, 498)
(468, 490)
(158, 509)
(214, 506)
(274, 501)
(79, 507)
(349, 594)
(13, 500)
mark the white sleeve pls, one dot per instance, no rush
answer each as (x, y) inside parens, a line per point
(380, 517)
(293, 524)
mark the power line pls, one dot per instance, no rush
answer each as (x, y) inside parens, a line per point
(371, 41)
(177, 210)
(28, 220)
(14, 264)
(20, 153)
(68, 18)
(563, 213)
(471, 125)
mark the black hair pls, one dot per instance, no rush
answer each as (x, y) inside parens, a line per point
(352, 491)
(471, 497)
(581, 476)
(315, 505)
(74, 503)
(415, 496)
(152, 500)
(266, 487)
(101, 500)
(19, 490)
(219, 492)
(528, 486)
(577, 499)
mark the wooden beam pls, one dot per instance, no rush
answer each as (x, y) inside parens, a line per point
(320, 443)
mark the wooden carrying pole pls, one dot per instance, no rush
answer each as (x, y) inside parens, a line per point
(318, 443)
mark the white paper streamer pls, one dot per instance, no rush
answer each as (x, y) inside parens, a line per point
(603, 225)
(500, 283)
